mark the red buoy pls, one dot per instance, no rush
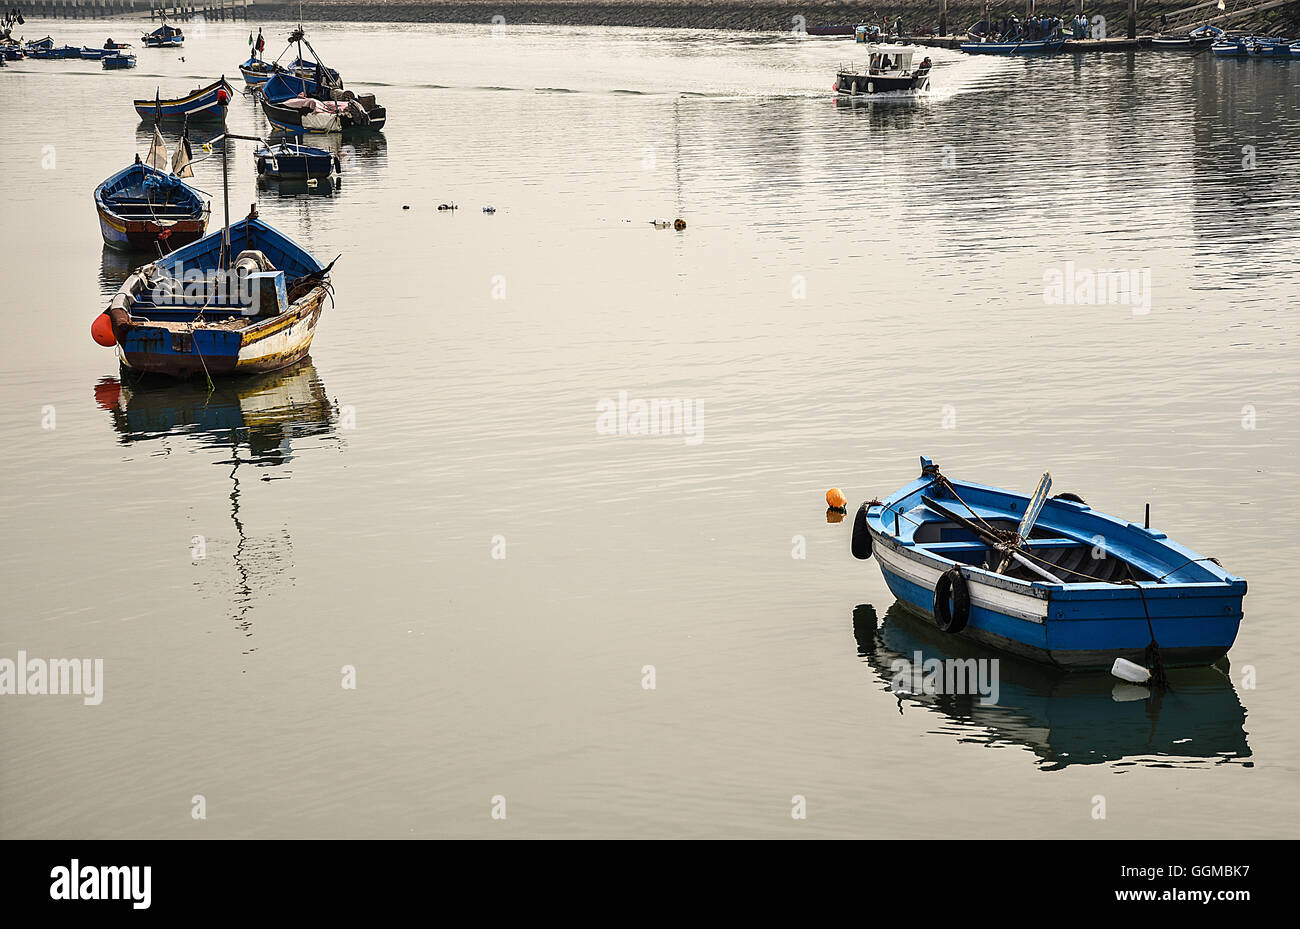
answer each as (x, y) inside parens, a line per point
(101, 330)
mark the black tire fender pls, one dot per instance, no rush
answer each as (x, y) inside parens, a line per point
(861, 544)
(1069, 496)
(952, 583)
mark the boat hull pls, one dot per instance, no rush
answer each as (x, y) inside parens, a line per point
(1085, 635)
(204, 103)
(298, 123)
(1039, 47)
(855, 85)
(268, 346)
(141, 235)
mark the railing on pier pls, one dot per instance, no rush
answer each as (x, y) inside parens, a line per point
(100, 9)
(1193, 17)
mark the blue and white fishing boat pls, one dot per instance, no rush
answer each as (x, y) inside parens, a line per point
(165, 36)
(1251, 47)
(141, 205)
(12, 51)
(999, 47)
(117, 61)
(300, 105)
(263, 321)
(94, 54)
(49, 53)
(208, 102)
(1048, 579)
(291, 160)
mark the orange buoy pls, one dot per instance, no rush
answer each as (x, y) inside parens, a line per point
(679, 224)
(836, 500)
(101, 330)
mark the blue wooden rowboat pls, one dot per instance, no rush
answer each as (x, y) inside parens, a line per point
(49, 53)
(12, 51)
(165, 36)
(1036, 47)
(209, 102)
(1066, 585)
(117, 61)
(37, 44)
(183, 316)
(288, 159)
(1251, 47)
(141, 205)
(94, 54)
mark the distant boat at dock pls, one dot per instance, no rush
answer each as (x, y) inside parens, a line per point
(1035, 47)
(832, 29)
(1252, 47)
(1205, 36)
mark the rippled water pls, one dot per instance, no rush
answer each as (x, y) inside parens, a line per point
(857, 285)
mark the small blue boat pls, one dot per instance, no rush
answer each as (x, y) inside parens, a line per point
(1251, 47)
(299, 105)
(94, 54)
(1036, 47)
(142, 205)
(208, 102)
(1047, 579)
(165, 36)
(12, 51)
(49, 53)
(36, 45)
(208, 309)
(288, 159)
(117, 61)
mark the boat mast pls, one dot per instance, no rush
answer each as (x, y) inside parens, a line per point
(225, 186)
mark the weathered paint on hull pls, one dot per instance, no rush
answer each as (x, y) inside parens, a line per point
(141, 235)
(268, 346)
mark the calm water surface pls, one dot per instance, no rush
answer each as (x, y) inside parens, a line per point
(857, 285)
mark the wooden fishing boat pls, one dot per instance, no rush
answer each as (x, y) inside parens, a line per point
(49, 53)
(288, 159)
(147, 206)
(998, 47)
(1050, 580)
(12, 51)
(38, 44)
(1203, 37)
(165, 36)
(300, 105)
(117, 61)
(207, 102)
(889, 70)
(94, 54)
(260, 321)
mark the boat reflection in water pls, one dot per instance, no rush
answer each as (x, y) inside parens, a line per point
(1065, 718)
(252, 424)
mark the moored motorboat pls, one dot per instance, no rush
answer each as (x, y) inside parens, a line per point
(207, 102)
(94, 54)
(288, 159)
(831, 29)
(1048, 579)
(165, 36)
(889, 69)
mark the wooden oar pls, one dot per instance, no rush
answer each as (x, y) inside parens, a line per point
(991, 539)
(1030, 516)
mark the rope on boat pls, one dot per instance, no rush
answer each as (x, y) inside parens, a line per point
(1159, 679)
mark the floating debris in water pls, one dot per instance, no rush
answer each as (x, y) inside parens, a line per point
(659, 223)
(679, 224)
(447, 206)
(489, 209)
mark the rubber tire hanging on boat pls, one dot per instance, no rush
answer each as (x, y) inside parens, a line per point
(951, 583)
(1069, 496)
(861, 545)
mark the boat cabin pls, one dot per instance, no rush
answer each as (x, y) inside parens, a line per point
(890, 59)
